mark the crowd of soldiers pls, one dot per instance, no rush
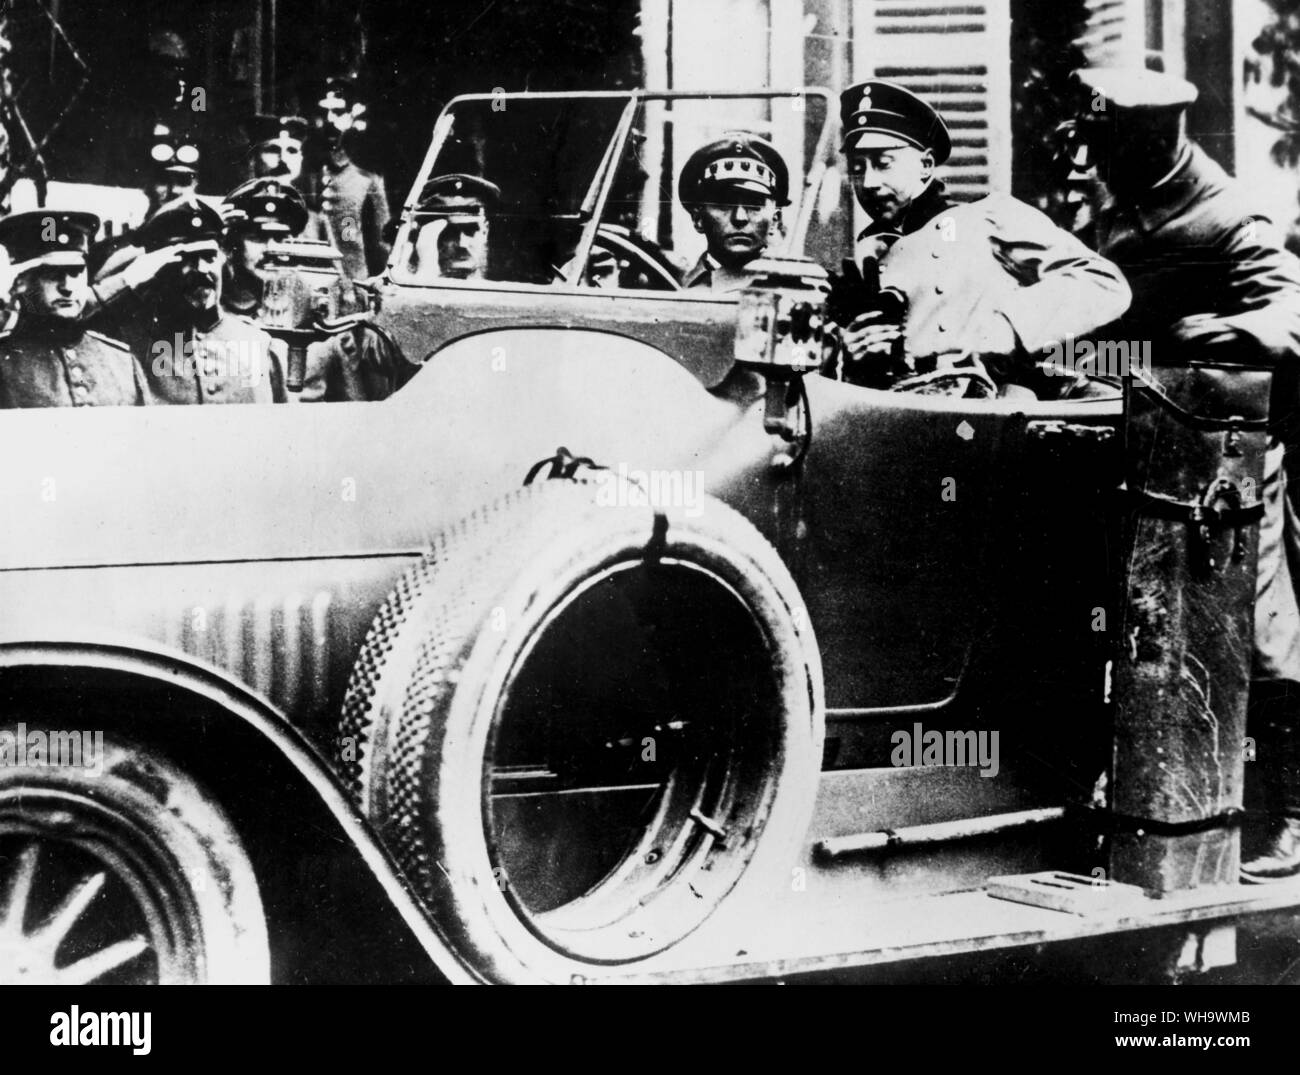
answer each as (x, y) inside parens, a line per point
(1176, 255)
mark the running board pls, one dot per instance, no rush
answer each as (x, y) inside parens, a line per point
(782, 938)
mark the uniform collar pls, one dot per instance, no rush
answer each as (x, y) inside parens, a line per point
(1191, 177)
(707, 273)
(702, 270)
(925, 207)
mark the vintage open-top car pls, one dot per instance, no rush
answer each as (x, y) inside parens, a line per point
(585, 655)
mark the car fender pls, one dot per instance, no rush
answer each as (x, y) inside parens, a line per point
(143, 663)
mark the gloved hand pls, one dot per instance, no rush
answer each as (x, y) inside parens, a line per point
(850, 296)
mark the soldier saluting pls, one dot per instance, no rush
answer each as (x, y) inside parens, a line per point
(50, 359)
(993, 279)
(192, 350)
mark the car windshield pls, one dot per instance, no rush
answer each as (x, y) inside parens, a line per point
(588, 185)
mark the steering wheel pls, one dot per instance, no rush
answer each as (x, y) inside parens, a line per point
(982, 384)
(639, 264)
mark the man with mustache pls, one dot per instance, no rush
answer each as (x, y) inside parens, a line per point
(991, 283)
(193, 350)
(452, 239)
(257, 213)
(734, 189)
(50, 360)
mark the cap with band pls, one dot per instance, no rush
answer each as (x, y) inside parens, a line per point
(266, 205)
(458, 194)
(48, 237)
(189, 221)
(736, 162)
(883, 115)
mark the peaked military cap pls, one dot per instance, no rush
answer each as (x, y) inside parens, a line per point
(187, 221)
(740, 161)
(1137, 89)
(266, 205)
(48, 237)
(457, 194)
(879, 114)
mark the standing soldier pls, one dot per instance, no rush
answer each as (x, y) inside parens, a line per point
(353, 202)
(191, 349)
(50, 360)
(1210, 276)
(276, 147)
(991, 283)
(734, 189)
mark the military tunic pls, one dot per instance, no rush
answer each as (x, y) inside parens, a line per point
(995, 277)
(354, 217)
(1194, 245)
(233, 361)
(80, 369)
(707, 273)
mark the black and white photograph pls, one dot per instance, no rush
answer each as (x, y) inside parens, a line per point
(648, 492)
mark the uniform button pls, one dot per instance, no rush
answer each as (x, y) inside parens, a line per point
(211, 387)
(70, 354)
(938, 289)
(76, 376)
(934, 254)
(79, 395)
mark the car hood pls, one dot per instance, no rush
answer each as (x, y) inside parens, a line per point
(195, 484)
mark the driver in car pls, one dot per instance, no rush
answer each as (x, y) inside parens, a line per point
(452, 240)
(734, 189)
(988, 285)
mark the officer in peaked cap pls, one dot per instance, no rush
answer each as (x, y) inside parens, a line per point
(734, 189)
(883, 115)
(1211, 278)
(989, 284)
(453, 213)
(50, 360)
(269, 206)
(192, 349)
(188, 222)
(256, 213)
(1133, 122)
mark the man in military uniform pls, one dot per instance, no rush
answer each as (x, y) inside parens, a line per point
(50, 359)
(353, 203)
(451, 238)
(257, 213)
(1209, 274)
(276, 147)
(993, 280)
(191, 349)
(360, 364)
(734, 189)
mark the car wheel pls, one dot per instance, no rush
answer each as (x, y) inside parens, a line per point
(121, 871)
(579, 728)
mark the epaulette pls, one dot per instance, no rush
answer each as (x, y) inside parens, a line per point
(108, 340)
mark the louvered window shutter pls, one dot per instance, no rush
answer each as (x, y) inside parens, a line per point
(1116, 33)
(955, 56)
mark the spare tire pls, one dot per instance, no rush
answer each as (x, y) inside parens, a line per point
(579, 727)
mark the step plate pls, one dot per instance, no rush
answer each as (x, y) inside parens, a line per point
(1071, 893)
